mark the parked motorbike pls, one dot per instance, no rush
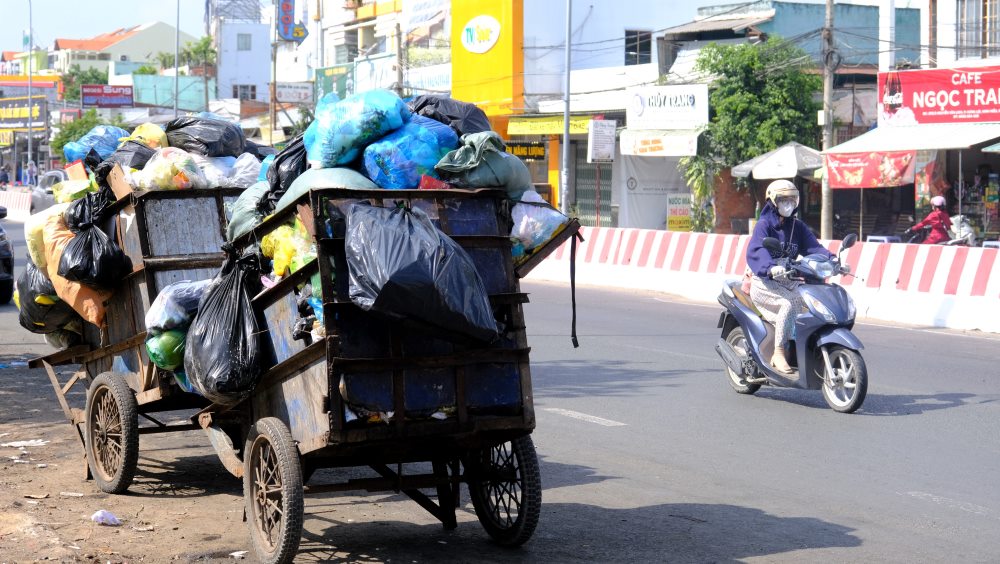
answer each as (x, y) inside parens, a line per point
(823, 350)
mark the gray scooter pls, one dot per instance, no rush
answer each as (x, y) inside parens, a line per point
(824, 351)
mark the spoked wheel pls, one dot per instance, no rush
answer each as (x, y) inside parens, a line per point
(272, 490)
(112, 432)
(506, 490)
(738, 340)
(844, 388)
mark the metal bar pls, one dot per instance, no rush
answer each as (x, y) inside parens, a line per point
(414, 494)
(168, 429)
(445, 495)
(224, 449)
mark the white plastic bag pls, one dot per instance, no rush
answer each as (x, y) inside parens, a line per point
(244, 172)
(216, 169)
(535, 221)
(175, 306)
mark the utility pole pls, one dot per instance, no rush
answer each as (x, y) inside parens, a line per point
(177, 60)
(399, 60)
(826, 220)
(274, 79)
(31, 105)
(564, 176)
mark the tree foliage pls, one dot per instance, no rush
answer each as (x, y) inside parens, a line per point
(73, 78)
(165, 60)
(760, 98)
(79, 127)
(146, 69)
(200, 52)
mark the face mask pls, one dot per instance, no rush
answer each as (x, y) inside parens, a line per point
(786, 209)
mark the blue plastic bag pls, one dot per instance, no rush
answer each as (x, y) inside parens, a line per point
(344, 128)
(399, 159)
(264, 165)
(102, 138)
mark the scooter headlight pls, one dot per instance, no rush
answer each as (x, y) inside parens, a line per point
(822, 268)
(819, 309)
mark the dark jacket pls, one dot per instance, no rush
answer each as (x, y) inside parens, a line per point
(794, 236)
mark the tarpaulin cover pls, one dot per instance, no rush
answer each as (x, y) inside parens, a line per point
(224, 350)
(41, 310)
(398, 160)
(245, 215)
(462, 117)
(338, 177)
(208, 137)
(401, 265)
(344, 128)
(481, 162)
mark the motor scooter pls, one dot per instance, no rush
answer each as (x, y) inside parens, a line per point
(824, 351)
(961, 233)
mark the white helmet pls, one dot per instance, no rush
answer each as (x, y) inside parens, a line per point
(938, 201)
(782, 189)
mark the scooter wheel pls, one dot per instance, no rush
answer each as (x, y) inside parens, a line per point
(738, 340)
(845, 389)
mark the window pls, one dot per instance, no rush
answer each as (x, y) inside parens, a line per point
(639, 47)
(978, 30)
(245, 91)
(243, 41)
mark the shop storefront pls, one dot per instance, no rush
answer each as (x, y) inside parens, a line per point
(936, 129)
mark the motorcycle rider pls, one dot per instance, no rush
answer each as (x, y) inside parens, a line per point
(937, 220)
(771, 291)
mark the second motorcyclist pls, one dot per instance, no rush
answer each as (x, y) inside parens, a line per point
(937, 220)
(771, 290)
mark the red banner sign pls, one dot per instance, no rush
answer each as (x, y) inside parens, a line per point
(106, 96)
(870, 170)
(954, 95)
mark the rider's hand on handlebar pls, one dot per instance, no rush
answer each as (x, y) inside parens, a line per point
(909, 231)
(845, 268)
(777, 271)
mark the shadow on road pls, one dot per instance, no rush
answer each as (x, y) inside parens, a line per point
(580, 532)
(880, 405)
(183, 477)
(588, 378)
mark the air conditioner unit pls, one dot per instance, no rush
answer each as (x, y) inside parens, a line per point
(123, 58)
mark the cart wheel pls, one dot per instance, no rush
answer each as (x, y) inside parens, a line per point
(506, 490)
(272, 489)
(112, 432)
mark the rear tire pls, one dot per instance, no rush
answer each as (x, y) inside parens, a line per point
(738, 341)
(506, 490)
(272, 491)
(845, 389)
(112, 433)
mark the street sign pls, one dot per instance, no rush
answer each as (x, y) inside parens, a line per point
(106, 96)
(295, 92)
(288, 29)
(601, 141)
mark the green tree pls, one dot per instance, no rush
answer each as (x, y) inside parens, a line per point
(305, 118)
(165, 60)
(79, 127)
(73, 78)
(200, 53)
(146, 69)
(759, 99)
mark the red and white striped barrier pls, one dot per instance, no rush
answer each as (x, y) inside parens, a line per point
(18, 204)
(931, 285)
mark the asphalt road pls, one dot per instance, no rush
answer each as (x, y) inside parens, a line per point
(648, 455)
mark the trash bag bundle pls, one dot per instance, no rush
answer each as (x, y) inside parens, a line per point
(131, 155)
(150, 135)
(287, 246)
(208, 137)
(398, 160)
(86, 301)
(535, 221)
(34, 233)
(92, 257)
(39, 308)
(175, 306)
(215, 169)
(399, 264)
(224, 352)
(71, 190)
(339, 177)
(462, 117)
(244, 173)
(286, 167)
(244, 211)
(482, 161)
(103, 139)
(170, 168)
(166, 349)
(344, 128)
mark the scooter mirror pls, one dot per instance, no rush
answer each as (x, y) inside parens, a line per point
(849, 240)
(772, 245)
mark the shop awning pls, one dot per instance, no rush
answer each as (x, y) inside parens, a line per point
(659, 142)
(928, 136)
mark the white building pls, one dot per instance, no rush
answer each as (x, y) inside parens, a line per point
(243, 63)
(135, 44)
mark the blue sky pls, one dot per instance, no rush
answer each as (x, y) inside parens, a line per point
(80, 19)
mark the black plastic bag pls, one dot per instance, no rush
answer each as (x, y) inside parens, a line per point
(287, 166)
(463, 117)
(92, 258)
(224, 350)
(132, 154)
(208, 137)
(399, 264)
(41, 310)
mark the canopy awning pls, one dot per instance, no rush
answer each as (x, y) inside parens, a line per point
(659, 142)
(928, 136)
(787, 161)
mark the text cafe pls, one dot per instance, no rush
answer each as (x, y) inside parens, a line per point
(937, 134)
